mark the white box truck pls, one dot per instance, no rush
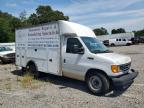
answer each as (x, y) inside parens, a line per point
(72, 50)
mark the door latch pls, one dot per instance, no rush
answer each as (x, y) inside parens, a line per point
(64, 60)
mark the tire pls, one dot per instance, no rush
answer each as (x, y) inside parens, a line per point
(112, 44)
(128, 44)
(31, 69)
(3, 62)
(98, 83)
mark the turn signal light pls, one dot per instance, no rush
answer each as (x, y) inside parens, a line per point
(115, 68)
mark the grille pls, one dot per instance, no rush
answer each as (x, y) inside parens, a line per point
(125, 67)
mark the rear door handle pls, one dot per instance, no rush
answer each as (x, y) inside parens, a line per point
(64, 60)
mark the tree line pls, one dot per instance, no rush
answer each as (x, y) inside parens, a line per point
(103, 31)
(43, 14)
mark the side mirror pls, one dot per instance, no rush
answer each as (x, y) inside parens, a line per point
(78, 50)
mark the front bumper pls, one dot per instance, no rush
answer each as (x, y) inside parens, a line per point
(125, 80)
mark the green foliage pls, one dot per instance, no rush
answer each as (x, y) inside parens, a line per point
(9, 23)
(46, 14)
(100, 31)
(139, 33)
(23, 16)
(120, 30)
(3, 35)
(4, 30)
(33, 19)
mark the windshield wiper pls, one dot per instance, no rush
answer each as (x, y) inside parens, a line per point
(108, 51)
(100, 51)
(96, 51)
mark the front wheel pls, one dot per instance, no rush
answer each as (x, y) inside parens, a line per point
(98, 83)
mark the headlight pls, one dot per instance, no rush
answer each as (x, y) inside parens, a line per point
(115, 68)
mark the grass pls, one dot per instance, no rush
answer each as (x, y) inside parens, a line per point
(28, 81)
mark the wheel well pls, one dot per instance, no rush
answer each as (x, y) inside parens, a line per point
(112, 44)
(32, 63)
(90, 71)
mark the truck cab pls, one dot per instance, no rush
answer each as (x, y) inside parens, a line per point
(86, 58)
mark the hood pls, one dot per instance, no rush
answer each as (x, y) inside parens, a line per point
(115, 58)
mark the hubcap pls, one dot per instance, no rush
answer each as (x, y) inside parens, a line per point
(95, 83)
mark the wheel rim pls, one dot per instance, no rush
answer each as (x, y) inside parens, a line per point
(30, 70)
(95, 83)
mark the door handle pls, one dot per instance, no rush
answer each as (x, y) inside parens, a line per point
(64, 61)
(90, 58)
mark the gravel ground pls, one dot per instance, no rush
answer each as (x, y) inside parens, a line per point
(59, 92)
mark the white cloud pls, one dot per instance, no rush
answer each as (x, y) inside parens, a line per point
(29, 2)
(106, 13)
(136, 13)
(90, 6)
(11, 4)
(25, 2)
(130, 24)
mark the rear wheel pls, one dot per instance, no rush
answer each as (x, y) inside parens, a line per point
(112, 44)
(31, 69)
(98, 83)
(128, 44)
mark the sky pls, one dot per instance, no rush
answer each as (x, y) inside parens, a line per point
(110, 14)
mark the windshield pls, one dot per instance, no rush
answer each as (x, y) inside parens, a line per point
(5, 49)
(94, 45)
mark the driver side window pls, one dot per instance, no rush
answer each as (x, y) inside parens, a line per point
(71, 43)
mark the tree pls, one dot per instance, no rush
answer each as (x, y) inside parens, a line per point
(119, 30)
(33, 19)
(46, 14)
(3, 35)
(24, 19)
(8, 23)
(4, 28)
(139, 32)
(15, 23)
(23, 16)
(100, 31)
(114, 31)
